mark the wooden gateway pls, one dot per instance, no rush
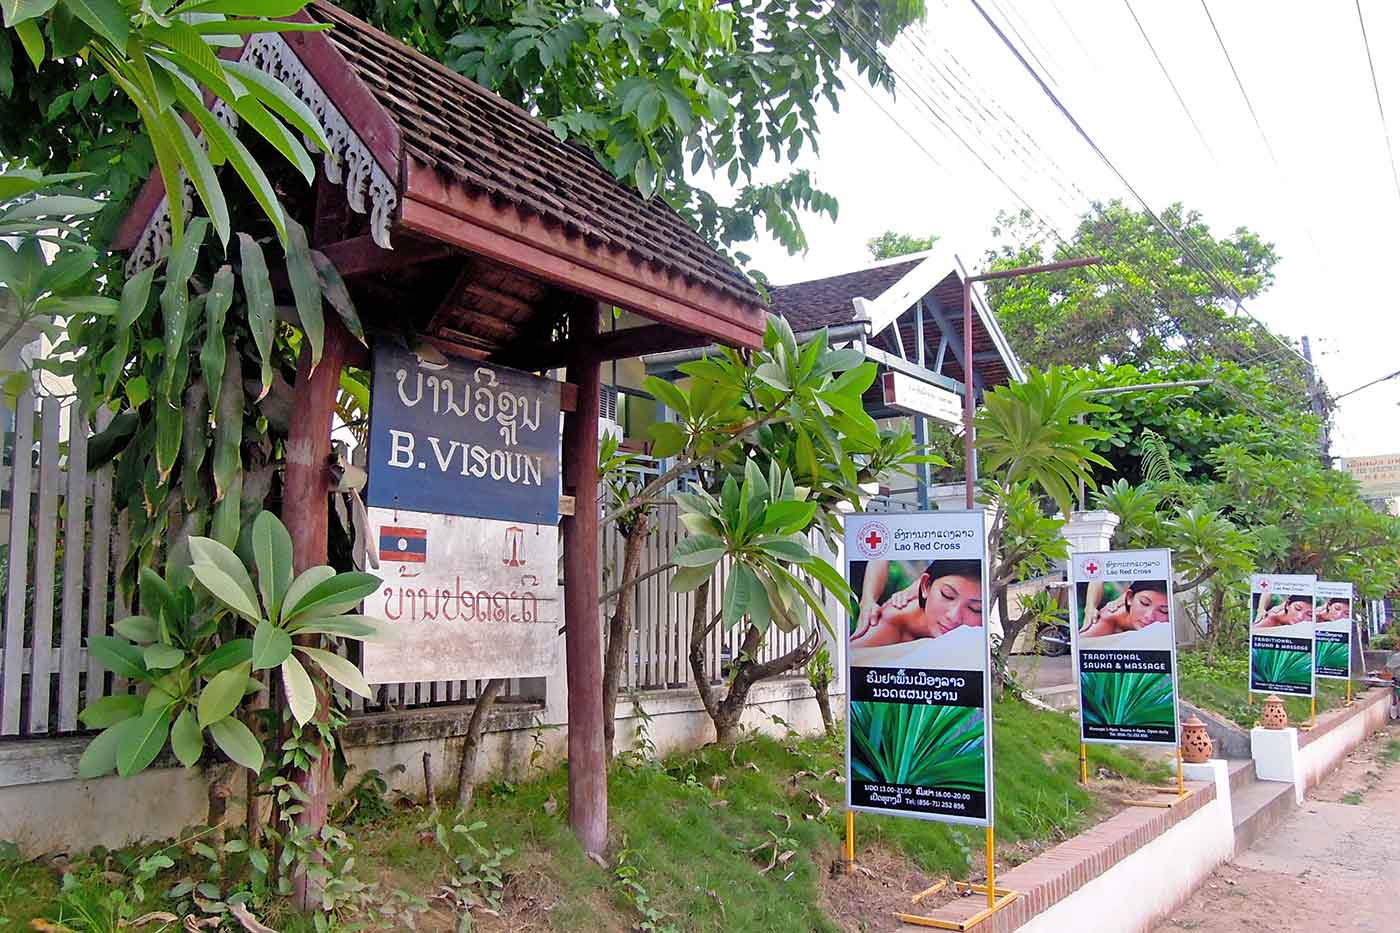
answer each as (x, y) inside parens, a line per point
(458, 219)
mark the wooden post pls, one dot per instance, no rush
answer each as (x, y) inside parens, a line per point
(583, 634)
(306, 513)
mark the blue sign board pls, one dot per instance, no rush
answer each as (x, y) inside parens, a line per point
(462, 438)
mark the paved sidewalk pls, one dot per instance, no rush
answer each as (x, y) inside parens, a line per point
(1332, 865)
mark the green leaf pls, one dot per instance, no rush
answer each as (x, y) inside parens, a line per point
(301, 692)
(238, 155)
(271, 645)
(160, 657)
(789, 547)
(238, 743)
(187, 739)
(273, 9)
(262, 315)
(230, 653)
(788, 517)
(138, 391)
(19, 11)
(668, 439)
(111, 710)
(358, 627)
(108, 18)
(143, 740)
(686, 579)
(213, 355)
(222, 694)
(742, 589)
(140, 629)
(119, 656)
(200, 171)
(272, 554)
(331, 596)
(334, 290)
(698, 551)
(304, 583)
(136, 293)
(223, 575)
(306, 289)
(100, 757)
(340, 670)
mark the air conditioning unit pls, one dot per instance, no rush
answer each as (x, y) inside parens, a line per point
(608, 425)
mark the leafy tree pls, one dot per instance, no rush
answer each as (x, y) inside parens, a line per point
(1243, 405)
(775, 442)
(891, 244)
(667, 94)
(1031, 443)
(1151, 302)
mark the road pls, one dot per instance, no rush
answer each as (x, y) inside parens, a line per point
(1331, 865)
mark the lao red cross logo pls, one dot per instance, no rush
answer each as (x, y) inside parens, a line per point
(1091, 569)
(873, 540)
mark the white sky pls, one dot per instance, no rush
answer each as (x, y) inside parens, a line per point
(1329, 206)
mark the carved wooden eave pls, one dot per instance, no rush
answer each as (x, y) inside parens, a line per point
(364, 154)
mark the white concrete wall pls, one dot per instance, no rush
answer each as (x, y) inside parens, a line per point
(44, 808)
(1146, 886)
(1317, 758)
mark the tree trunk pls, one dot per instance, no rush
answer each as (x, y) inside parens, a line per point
(620, 629)
(466, 768)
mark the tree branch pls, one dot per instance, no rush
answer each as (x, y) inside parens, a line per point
(628, 584)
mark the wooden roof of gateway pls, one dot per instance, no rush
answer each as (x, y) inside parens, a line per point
(476, 215)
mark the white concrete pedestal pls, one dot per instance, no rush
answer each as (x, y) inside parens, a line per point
(1217, 770)
(1275, 754)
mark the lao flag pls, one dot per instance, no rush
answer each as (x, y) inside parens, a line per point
(404, 545)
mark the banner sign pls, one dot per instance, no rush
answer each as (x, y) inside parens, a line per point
(462, 438)
(466, 598)
(906, 393)
(1124, 646)
(1332, 617)
(919, 739)
(1281, 633)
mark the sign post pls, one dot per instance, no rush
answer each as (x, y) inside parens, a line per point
(1281, 634)
(1333, 624)
(1122, 614)
(463, 501)
(919, 720)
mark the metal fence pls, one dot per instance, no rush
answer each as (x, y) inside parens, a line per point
(64, 542)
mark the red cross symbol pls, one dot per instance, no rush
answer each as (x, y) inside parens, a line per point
(873, 539)
(1091, 567)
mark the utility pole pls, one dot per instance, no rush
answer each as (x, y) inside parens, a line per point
(1324, 435)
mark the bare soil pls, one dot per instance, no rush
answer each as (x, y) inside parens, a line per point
(1330, 866)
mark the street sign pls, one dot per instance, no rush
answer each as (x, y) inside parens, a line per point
(462, 438)
(464, 598)
(908, 394)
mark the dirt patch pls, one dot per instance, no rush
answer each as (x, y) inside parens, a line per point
(1360, 772)
(866, 901)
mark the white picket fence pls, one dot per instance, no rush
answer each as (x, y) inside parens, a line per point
(64, 543)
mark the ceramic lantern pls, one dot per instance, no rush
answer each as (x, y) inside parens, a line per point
(1196, 746)
(1274, 715)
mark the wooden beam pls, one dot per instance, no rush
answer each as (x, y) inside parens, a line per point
(361, 255)
(305, 512)
(451, 213)
(617, 345)
(583, 633)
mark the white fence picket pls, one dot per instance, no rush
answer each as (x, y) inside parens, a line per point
(17, 584)
(70, 638)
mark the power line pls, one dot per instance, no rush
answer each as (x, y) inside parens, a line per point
(1240, 83)
(918, 92)
(1175, 90)
(1054, 99)
(1380, 108)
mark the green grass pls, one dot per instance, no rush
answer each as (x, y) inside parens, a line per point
(1219, 681)
(1352, 798)
(1391, 753)
(24, 887)
(1112, 699)
(692, 823)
